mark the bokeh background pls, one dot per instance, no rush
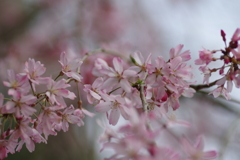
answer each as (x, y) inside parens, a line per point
(43, 29)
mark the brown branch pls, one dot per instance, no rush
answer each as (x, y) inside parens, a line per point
(199, 87)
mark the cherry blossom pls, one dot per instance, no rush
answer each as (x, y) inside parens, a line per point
(114, 104)
(18, 82)
(70, 65)
(205, 57)
(21, 105)
(34, 70)
(47, 121)
(56, 91)
(236, 36)
(174, 52)
(220, 91)
(117, 75)
(68, 116)
(92, 90)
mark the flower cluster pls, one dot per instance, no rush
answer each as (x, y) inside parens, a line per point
(146, 94)
(159, 85)
(29, 116)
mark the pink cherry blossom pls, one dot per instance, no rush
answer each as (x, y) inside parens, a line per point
(220, 91)
(141, 62)
(118, 75)
(207, 73)
(34, 70)
(21, 105)
(24, 132)
(81, 113)
(56, 91)
(174, 52)
(70, 65)
(114, 104)
(142, 65)
(181, 70)
(48, 119)
(18, 82)
(222, 81)
(205, 57)
(68, 117)
(236, 35)
(92, 90)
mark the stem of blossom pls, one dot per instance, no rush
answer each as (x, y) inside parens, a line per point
(79, 98)
(35, 115)
(2, 126)
(143, 99)
(113, 90)
(142, 96)
(59, 75)
(8, 99)
(39, 100)
(70, 80)
(199, 87)
(32, 88)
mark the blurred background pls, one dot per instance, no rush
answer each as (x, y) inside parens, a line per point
(42, 29)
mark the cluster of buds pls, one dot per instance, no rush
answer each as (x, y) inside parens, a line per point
(230, 72)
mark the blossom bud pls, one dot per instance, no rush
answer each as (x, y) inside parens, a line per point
(164, 98)
(226, 60)
(221, 71)
(223, 35)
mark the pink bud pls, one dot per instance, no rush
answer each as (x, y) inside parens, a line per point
(165, 97)
(223, 35)
(221, 71)
(226, 60)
